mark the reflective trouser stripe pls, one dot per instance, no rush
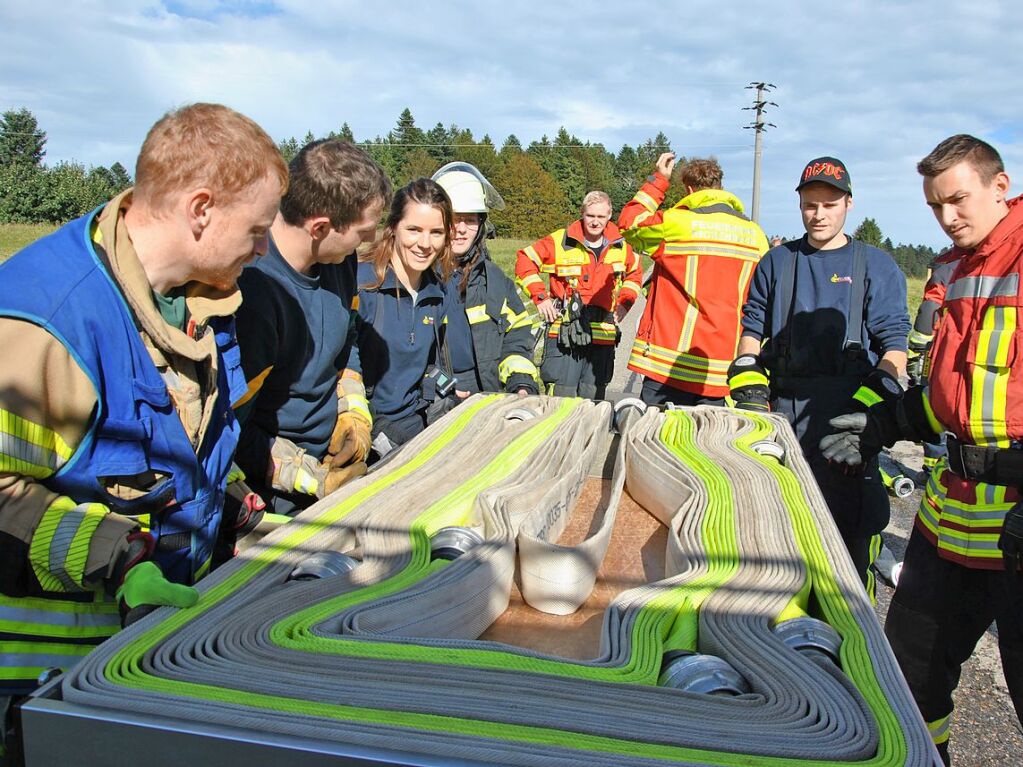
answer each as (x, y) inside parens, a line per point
(939, 729)
(58, 619)
(27, 660)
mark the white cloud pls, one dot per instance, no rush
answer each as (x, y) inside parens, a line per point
(876, 84)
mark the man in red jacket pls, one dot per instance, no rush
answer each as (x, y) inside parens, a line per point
(963, 563)
(595, 278)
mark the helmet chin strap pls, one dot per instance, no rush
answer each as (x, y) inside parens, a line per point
(470, 255)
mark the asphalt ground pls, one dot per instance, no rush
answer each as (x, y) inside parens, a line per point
(985, 730)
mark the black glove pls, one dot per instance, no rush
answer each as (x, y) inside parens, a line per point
(878, 388)
(1011, 539)
(748, 385)
(575, 330)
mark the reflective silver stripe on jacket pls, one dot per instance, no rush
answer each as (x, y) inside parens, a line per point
(983, 286)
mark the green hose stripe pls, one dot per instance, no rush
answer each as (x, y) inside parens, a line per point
(718, 531)
(151, 638)
(856, 660)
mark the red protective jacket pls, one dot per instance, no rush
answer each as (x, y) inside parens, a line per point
(613, 280)
(704, 252)
(976, 390)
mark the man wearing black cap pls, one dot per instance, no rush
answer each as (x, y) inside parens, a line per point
(826, 315)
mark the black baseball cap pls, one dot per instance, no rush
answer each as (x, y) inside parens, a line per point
(827, 170)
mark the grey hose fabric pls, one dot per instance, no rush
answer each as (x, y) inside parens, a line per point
(387, 654)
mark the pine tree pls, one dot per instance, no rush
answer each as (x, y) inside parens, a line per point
(21, 138)
(534, 200)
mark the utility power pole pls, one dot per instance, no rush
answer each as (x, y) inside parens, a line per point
(758, 126)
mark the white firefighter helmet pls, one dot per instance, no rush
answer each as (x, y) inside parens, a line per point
(469, 190)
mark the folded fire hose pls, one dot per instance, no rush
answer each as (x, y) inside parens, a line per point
(358, 622)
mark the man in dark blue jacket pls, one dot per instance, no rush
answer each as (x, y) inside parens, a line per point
(306, 422)
(826, 315)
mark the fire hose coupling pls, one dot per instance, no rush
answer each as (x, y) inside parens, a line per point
(626, 410)
(323, 564)
(704, 674)
(811, 638)
(451, 542)
(520, 414)
(769, 449)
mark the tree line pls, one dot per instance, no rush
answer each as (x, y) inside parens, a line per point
(543, 183)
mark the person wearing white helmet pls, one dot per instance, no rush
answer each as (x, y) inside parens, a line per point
(493, 334)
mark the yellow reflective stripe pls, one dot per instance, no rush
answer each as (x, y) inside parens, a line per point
(938, 512)
(745, 276)
(253, 387)
(867, 396)
(29, 448)
(919, 339)
(939, 729)
(530, 279)
(359, 404)
(532, 255)
(647, 358)
(476, 314)
(692, 309)
(33, 617)
(646, 201)
(632, 285)
(305, 482)
(715, 249)
(749, 378)
(60, 543)
(932, 419)
(516, 363)
(638, 221)
(990, 378)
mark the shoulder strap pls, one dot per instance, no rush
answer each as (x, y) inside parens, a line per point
(857, 297)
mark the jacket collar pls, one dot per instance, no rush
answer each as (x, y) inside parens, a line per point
(574, 234)
(705, 198)
(1004, 229)
(204, 302)
(429, 288)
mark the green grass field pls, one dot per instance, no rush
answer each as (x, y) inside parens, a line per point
(13, 237)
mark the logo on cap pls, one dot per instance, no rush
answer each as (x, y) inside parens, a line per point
(826, 170)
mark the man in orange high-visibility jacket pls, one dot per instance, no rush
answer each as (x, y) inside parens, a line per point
(595, 278)
(704, 252)
(964, 562)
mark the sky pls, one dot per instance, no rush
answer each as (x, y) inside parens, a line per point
(875, 84)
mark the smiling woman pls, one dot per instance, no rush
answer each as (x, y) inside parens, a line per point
(405, 309)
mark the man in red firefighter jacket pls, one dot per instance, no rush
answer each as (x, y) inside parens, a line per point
(704, 252)
(595, 277)
(964, 560)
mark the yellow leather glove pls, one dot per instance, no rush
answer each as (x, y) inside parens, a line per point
(350, 441)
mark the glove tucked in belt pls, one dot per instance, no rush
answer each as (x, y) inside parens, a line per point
(575, 330)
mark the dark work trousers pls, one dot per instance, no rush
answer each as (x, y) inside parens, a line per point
(577, 372)
(657, 393)
(858, 502)
(938, 614)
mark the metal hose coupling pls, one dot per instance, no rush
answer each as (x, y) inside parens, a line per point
(705, 674)
(812, 638)
(451, 542)
(323, 564)
(770, 449)
(626, 411)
